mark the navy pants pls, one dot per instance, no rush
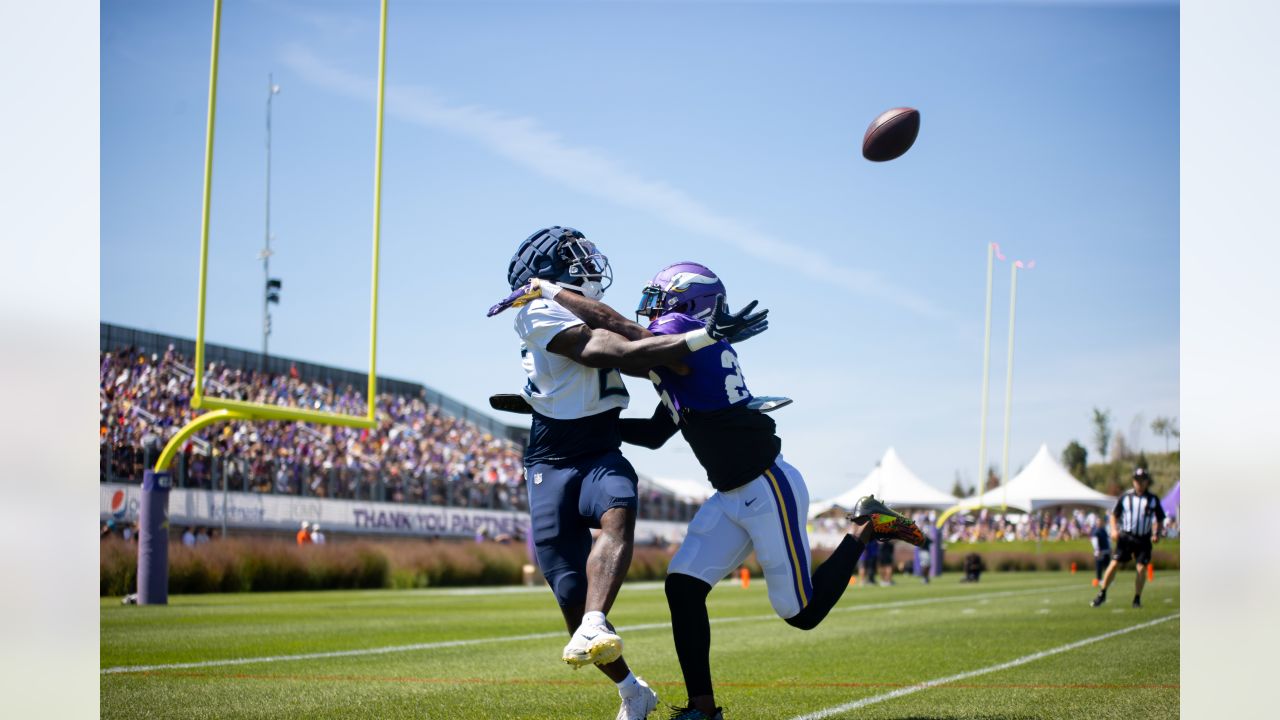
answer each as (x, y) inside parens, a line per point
(566, 500)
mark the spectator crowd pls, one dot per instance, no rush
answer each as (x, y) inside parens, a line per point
(988, 526)
(416, 454)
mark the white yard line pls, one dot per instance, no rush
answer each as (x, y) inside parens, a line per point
(517, 589)
(542, 636)
(864, 702)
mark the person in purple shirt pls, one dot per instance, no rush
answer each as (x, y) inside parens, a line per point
(761, 502)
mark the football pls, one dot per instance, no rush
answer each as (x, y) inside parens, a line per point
(891, 134)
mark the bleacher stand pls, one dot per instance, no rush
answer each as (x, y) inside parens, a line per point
(417, 453)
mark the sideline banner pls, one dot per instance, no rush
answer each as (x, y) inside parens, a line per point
(260, 511)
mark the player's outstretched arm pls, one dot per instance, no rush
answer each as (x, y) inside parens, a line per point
(599, 316)
(606, 349)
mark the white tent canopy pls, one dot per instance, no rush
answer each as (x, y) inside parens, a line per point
(894, 483)
(1043, 483)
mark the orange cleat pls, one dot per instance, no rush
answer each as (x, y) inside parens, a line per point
(886, 523)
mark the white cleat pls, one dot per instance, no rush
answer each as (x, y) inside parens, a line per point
(639, 705)
(597, 644)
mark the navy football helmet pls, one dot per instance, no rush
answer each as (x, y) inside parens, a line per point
(564, 256)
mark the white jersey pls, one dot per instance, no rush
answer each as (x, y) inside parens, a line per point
(557, 386)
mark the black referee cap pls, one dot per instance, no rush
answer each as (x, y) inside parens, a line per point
(1141, 474)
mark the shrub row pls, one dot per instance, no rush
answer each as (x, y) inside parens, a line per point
(1004, 561)
(242, 565)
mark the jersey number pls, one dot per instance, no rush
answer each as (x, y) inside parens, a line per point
(734, 386)
(665, 397)
(611, 383)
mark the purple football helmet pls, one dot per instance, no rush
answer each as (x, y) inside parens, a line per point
(686, 287)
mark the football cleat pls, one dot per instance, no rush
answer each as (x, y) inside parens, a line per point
(597, 644)
(693, 713)
(1137, 603)
(639, 705)
(1101, 598)
(886, 523)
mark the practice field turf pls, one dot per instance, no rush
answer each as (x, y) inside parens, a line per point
(1017, 645)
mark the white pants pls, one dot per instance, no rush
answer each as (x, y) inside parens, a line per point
(767, 514)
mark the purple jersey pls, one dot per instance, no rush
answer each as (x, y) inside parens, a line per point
(715, 381)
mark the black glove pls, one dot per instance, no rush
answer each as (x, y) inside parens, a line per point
(736, 327)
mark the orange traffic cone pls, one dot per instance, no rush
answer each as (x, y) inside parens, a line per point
(1151, 572)
(746, 578)
(1095, 582)
(1073, 568)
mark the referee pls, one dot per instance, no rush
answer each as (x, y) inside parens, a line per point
(1135, 525)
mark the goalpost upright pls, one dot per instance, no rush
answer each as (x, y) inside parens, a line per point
(153, 541)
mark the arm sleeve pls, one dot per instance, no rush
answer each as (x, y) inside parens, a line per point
(1118, 510)
(650, 432)
(542, 321)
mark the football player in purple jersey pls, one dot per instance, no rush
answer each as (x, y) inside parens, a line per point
(761, 502)
(576, 477)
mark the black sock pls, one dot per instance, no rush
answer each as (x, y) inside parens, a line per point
(829, 582)
(687, 600)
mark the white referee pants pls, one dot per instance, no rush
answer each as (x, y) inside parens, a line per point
(768, 515)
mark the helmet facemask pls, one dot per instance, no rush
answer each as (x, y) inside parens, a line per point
(589, 271)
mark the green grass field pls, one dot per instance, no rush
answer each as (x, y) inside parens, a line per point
(504, 661)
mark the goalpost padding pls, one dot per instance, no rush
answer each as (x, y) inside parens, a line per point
(153, 539)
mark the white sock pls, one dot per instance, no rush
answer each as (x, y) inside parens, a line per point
(628, 687)
(595, 617)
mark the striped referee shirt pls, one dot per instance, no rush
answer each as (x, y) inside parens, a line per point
(1137, 514)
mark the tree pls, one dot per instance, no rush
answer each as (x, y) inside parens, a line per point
(993, 478)
(1160, 426)
(1076, 459)
(958, 488)
(1141, 462)
(1119, 447)
(1101, 431)
(1166, 427)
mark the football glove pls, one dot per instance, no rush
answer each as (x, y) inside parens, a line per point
(522, 295)
(736, 327)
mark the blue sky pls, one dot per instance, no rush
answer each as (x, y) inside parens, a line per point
(725, 133)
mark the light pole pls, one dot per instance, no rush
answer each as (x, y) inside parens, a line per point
(271, 288)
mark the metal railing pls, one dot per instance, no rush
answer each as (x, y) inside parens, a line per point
(199, 471)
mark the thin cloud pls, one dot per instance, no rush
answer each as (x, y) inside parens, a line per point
(523, 141)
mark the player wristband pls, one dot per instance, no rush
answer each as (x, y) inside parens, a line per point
(698, 339)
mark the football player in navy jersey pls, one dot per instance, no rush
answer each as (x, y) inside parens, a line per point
(577, 478)
(761, 501)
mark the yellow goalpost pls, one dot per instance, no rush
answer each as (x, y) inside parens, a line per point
(221, 409)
